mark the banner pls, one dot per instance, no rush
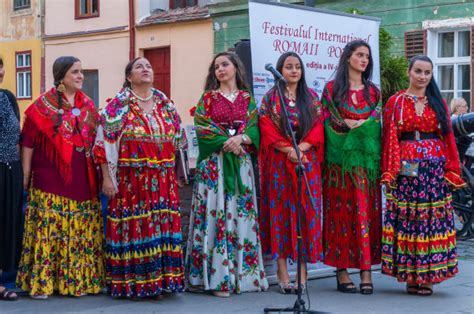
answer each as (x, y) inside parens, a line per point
(318, 36)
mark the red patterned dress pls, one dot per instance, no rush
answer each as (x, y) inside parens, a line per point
(419, 239)
(352, 198)
(278, 182)
(143, 238)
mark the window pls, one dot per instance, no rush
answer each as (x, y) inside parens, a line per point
(23, 75)
(21, 4)
(175, 4)
(452, 58)
(91, 85)
(87, 9)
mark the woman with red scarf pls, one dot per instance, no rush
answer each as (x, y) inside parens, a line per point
(62, 243)
(278, 205)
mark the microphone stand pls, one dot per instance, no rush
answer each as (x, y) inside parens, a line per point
(299, 306)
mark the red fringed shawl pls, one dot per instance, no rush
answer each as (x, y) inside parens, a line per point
(58, 146)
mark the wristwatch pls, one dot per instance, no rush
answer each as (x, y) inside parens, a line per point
(245, 139)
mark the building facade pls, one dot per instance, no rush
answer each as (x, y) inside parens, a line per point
(95, 31)
(442, 29)
(178, 39)
(21, 48)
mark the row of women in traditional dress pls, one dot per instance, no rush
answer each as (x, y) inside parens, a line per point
(135, 140)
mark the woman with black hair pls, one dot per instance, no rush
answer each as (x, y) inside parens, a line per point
(420, 165)
(11, 185)
(137, 140)
(278, 171)
(352, 202)
(62, 242)
(224, 253)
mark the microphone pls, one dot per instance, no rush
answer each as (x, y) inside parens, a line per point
(269, 67)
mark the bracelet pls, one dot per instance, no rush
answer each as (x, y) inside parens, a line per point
(245, 139)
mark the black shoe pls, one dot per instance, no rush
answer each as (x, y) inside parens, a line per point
(366, 288)
(347, 287)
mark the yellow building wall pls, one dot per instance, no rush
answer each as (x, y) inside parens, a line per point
(191, 49)
(8, 50)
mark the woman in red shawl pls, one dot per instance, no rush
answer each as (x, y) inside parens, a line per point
(278, 205)
(62, 242)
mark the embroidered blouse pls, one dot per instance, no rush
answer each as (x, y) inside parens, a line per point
(129, 137)
(400, 116)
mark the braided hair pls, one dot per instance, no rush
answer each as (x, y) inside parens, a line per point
(60, 67)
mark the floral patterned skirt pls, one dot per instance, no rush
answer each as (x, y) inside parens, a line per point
(224, 251)
(143, 240)
(352, 221)
(62, 246)
(419, 239)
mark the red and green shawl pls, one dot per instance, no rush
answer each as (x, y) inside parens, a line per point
(211, 137)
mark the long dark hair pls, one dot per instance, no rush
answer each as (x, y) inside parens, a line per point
(341, 81)
(60, 67)
(128, 71)
(212, 83)
(304, 99)
(435, 100)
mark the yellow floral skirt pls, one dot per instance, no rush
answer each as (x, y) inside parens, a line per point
(62, 246)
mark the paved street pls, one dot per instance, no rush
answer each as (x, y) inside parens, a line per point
(454, 296)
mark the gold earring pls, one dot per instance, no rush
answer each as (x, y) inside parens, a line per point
(61, 88)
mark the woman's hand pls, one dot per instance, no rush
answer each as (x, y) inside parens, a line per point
(304, 147)
(294, 158)
(108, 187)
(353, 124)
(233, 144)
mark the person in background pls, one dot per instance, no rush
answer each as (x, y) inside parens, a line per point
(458, 106)
(11, 185)
(62, 242)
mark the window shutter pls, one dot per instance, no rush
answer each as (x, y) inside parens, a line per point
(415, 43)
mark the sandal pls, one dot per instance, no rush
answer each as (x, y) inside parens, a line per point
(303, 288)
(221, 294)
(286, 287)
(412, 288)
(424, 291)
(366, 287)
(347, 287)
(7, 295)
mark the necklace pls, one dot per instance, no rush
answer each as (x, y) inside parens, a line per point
(232, 96)
(420, 104)
(292, 98)
(140, 98)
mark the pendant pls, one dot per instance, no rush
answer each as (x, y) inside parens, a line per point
(292, 104)
(76, 112)
(231, 131)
